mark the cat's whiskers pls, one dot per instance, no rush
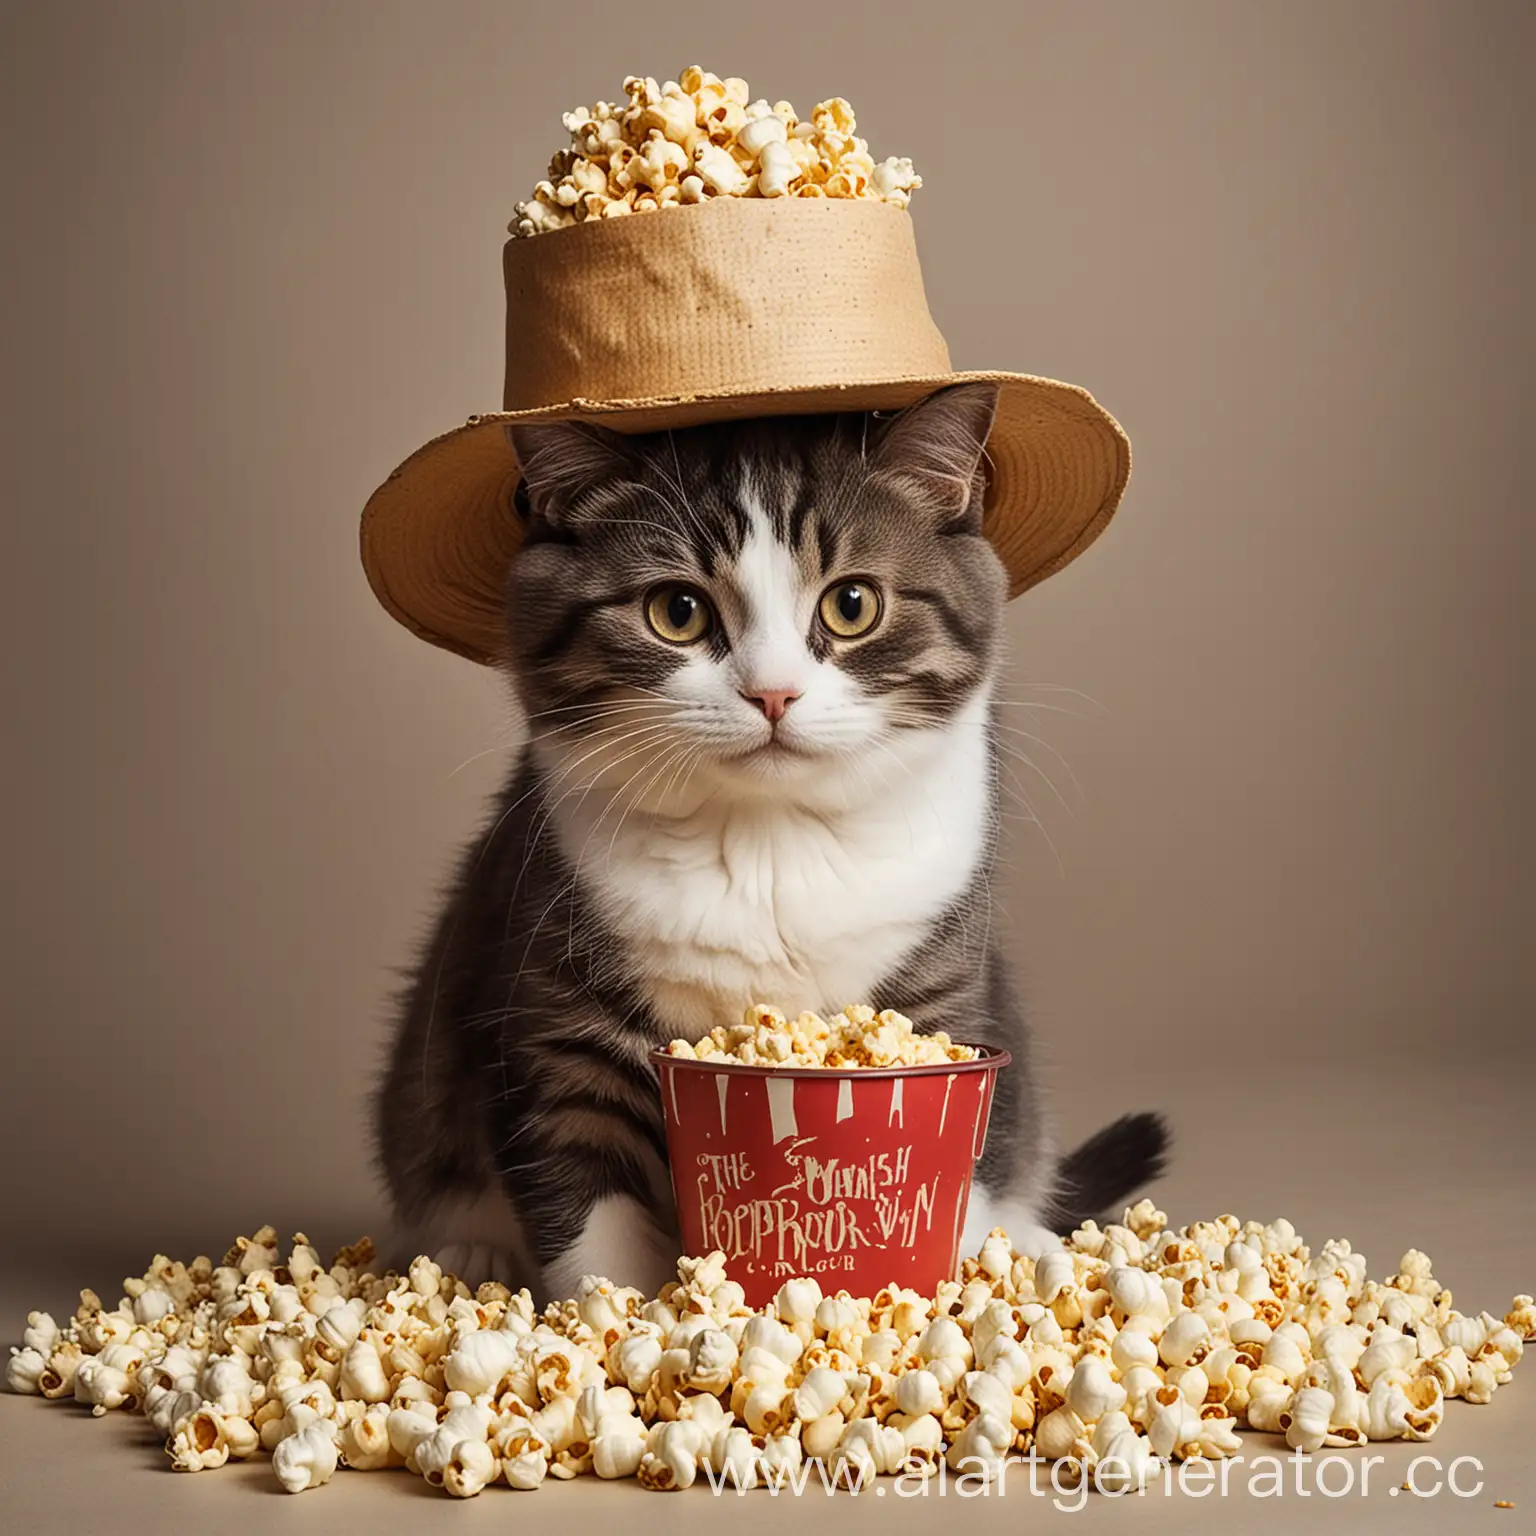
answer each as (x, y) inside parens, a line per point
(655, 693)
(579, 864)
(485, 846)
(570, 886)
(1042, 742)
(1013, 750)
(1030, 705)
(619, 719)
(586, 722)
(1033, 815)
(634, 801)
(677, 485)
(1039, 687)
(651, 738)
(474, 757)
(835, 501)
(682, 789)
(490, 835)
(615, 794)
(913, 720)
(1007, 749)
(606, 704)
(602, 739)
(540, 823)
(686, 512)
(639, 522)
(689, 756)
(567, 889)
(633, 738)
(855, 758)
(906, 814)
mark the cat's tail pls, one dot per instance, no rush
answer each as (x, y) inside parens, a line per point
(1094, 1179)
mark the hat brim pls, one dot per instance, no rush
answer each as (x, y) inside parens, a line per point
(439, 535)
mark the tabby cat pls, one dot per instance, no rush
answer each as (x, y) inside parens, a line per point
(758, 662)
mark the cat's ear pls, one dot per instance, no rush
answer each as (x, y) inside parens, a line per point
(560, 459)
(934, 448)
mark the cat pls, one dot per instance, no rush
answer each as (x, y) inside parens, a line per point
(758, 662)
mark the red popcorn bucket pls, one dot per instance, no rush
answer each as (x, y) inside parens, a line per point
(857, 1176)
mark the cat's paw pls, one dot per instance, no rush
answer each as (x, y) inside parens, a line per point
(622, 1242)
(1032, 1240)
(474, 1237)
(1028, 1234)
(475, 1263)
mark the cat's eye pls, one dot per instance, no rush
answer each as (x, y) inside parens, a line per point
(679, 614)
(851, 608)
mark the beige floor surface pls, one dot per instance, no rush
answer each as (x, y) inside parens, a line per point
(1423, 1149)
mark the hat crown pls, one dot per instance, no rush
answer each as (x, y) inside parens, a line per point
(732, 294)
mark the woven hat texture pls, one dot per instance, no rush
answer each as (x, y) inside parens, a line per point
(734, 307)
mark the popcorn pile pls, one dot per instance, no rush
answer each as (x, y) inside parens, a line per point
(857, 1037)
(700, 137)
(1126, 1348)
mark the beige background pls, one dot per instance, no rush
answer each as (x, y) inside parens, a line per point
(252, 260)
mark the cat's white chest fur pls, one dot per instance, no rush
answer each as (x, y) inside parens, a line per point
(755, 900)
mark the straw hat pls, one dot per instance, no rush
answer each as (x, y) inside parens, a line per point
(733, 307)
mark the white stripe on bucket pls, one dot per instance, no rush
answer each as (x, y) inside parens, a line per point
(722, 1082)
(949, 1082)
(845, 1099)
(898, 1114)
(781, 1107)
(983, 1115)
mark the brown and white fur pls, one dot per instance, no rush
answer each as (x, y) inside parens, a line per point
(769, 813)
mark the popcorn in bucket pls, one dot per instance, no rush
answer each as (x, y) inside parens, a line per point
(854, 1168)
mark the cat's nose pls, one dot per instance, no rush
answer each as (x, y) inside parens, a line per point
(772, 701)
